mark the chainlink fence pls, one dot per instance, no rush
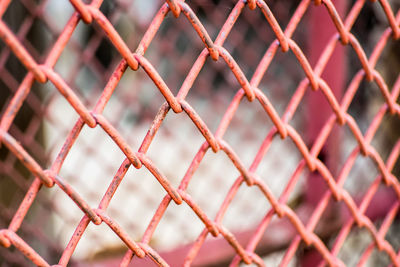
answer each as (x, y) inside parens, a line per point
(199, 133)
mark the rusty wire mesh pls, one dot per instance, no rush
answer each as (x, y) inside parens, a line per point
(71, 111)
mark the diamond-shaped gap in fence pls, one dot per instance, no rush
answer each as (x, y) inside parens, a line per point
(32, 139)
(89, 46)
(58, 121)
(330, 219)
(386, 137)
(26, 126)
(272, 242)
(131, 106)
(281, 79)
(246, 210)
(15, 15)
(274, 259)
(361, 176)
(211, 183)
(391, 236)
(357, 241)
(162, 70)
(127, 23)
(223, 87)
(378, 258)
(179, 226)
(7, 91)
(39, 39)
(129, 109)
(81, 37)
(370, 74)
(33, 109)
(96, 242)
(298, 127)
(89, 85)
(278, 234)
(282, 84)
(69, 57)
(253, 27)
(21, 169)
(387, 64)
(85, 84)
(335, 150)
(56, 15)
(101, 53)
(174, 146)
(234, 78)
(210, 116)
(174, 49)
(368, 25)
(15, 68)
(212, 14)
(284, 71)
(278, 166)
(11, 199)
(43, 240)
(58, 103)
(96, 156)
(107, 245)
(363, 169)
(135, 202)
(57, 224)
(147, 98)
(368, 95)
(261, 36)
(95, 58)
(101, 56)
(246, 141)
(212, 81)
(54, 128)
(231, 238)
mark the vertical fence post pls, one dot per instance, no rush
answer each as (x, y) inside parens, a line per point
(321, 30)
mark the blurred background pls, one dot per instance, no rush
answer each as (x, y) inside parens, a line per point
(86, 64)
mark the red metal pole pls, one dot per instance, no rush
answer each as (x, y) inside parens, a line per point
(321, 31)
